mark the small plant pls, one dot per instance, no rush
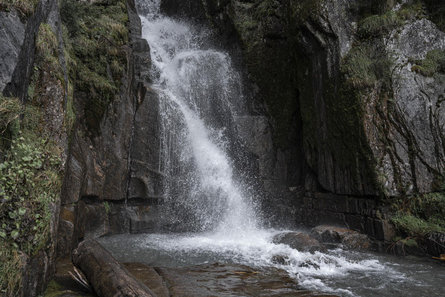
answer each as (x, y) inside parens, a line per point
(433, 63)
(107, 207)
(10, 271)
(10, 109)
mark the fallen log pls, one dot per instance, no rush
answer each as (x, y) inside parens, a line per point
(105, 274)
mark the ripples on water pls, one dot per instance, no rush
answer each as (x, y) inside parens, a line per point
(345, 273)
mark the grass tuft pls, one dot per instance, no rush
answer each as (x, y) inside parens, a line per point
(24, 7)
(433, 63)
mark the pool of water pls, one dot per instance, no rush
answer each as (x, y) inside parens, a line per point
(344, 273)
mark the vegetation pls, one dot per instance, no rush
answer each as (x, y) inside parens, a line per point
(378, 25)
(24, 7)
(29, 184)
(365, 65)
(436, 11)
(433, 63)
(420, 215)
(47, 48)
(95, 36)
(30, 169)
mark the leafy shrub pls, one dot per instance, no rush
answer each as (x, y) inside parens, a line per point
(380, 25)
(29, 183)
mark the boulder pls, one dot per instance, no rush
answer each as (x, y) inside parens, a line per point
(299, 241)
(348, 238)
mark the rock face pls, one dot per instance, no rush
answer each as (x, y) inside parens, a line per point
(111, 184)
(354, 113)
(11, 40)
(417, 132)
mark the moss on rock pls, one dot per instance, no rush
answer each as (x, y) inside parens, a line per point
(434, 63)
(96, 41)
(24, 7)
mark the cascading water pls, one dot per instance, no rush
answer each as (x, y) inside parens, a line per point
(198, 89)
(196, 86)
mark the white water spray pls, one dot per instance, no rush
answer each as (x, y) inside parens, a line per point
(196, 83)
(197, 88)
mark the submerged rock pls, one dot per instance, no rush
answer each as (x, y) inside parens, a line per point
(349, 238)
(230, 280)
(299, 241)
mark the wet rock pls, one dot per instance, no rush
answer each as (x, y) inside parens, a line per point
(299, 241)
(149, 276)
(349, 238)
(280, 259)
(309, 264)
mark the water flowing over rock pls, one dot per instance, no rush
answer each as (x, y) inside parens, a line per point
(199, 92)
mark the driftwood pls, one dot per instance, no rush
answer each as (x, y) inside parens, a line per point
(105, 274)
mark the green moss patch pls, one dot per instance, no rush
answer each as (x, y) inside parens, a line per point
(420, 215)
(96, 36)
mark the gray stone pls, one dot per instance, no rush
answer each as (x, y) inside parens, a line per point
(348, 238)
(12, 34)
(299, 241)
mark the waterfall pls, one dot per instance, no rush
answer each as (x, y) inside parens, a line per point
(198, 89)
(200, 93)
